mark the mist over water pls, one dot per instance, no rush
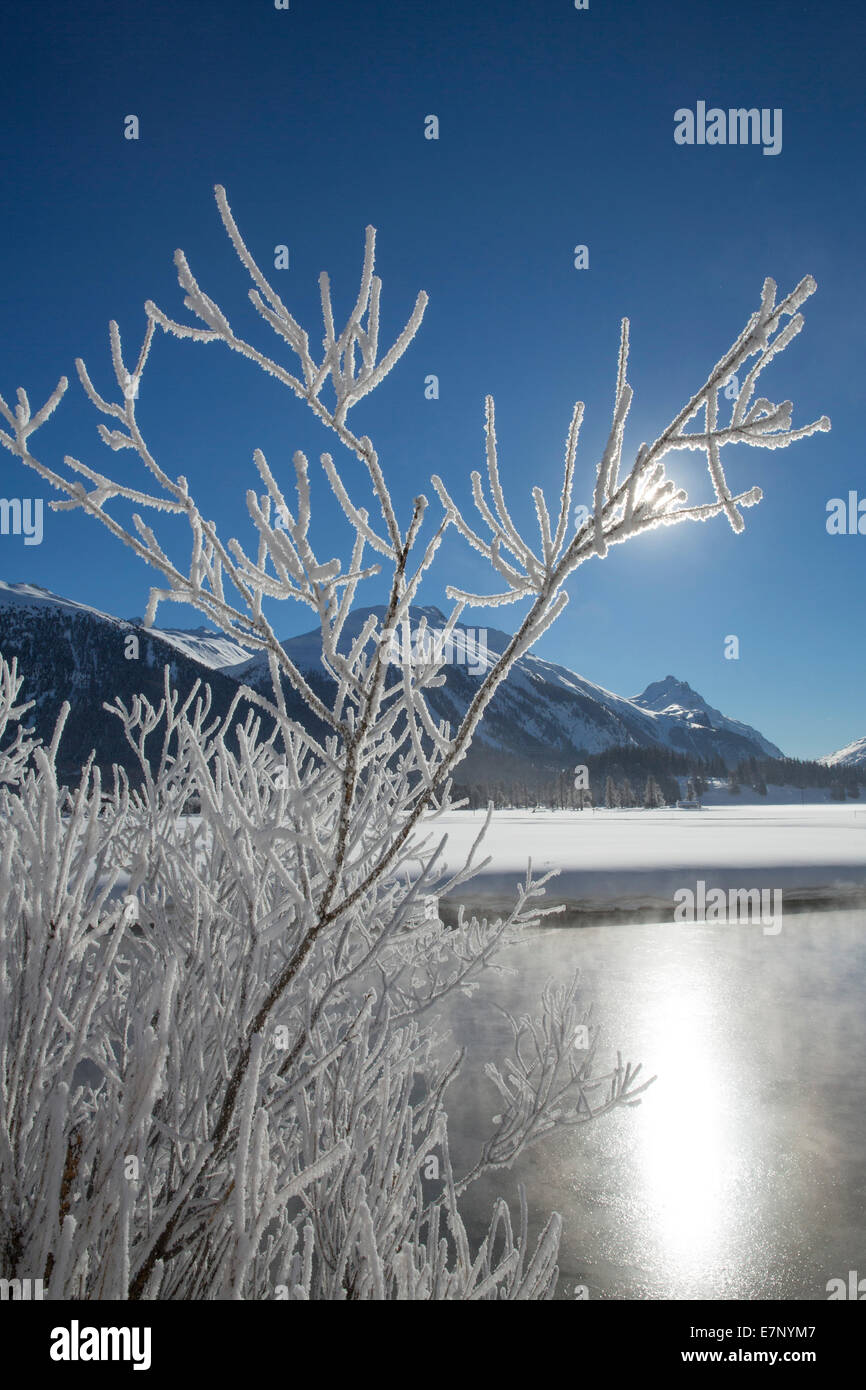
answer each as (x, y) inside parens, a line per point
(742, 1173)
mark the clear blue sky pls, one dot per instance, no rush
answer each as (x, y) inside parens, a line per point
(556, 128)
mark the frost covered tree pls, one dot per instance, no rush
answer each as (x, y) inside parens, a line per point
(218, 1071)
(611, 793)
(653, 796)
(626, 793)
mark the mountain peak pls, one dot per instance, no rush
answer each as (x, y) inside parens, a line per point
(660, 695)
(433, 614)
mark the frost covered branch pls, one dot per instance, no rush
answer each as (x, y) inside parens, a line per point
(646, 497)
(217, 1070)
(137, 945)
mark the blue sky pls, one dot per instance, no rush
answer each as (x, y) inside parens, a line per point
(556, 129)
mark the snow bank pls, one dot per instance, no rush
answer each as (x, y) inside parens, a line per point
(635, 860)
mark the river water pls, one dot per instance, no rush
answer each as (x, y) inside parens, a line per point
(742, 1173)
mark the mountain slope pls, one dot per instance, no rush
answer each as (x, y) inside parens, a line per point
(852, 755)
(70, 651)
(689, 710)
(204, 645)
(546, 711)
(543, 712)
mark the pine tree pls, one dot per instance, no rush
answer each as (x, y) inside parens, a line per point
(653, 796)
(611, 795)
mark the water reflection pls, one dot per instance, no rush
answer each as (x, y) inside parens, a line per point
(743, 1172)
(687, 1151)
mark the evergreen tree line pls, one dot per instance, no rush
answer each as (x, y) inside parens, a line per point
(635, 777)
(619, 776)
(840, 782)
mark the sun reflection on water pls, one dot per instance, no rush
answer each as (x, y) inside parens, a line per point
(688, 1157)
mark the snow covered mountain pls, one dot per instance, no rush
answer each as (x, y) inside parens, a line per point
(205, 645)
(544, 711)
(72, 651)
(685, 706)
(852, 755)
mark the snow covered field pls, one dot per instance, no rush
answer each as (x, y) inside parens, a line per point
(638, 859)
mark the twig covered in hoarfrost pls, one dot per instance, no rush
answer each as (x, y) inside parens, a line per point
(217, 1080)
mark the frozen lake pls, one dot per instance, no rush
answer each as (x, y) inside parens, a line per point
(638, 859)
(742, 1174)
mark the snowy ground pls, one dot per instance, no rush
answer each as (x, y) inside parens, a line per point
(717, 793)
(636, 860)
